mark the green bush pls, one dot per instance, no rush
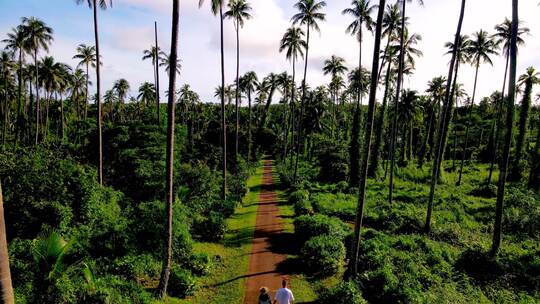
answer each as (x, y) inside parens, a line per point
(181, 283)
(306, 227)
(303, 207)
(298, 196)
(323, 255)
(343, 293)
(137, 267)
(521, 215)
(211, 228)
(199, 264)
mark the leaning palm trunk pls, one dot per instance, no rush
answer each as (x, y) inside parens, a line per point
(6, 288)
(223, 118)
(170, 153)
(446, 114)
(237, 26)
(396, 104)
(353, 265)
(497, 231)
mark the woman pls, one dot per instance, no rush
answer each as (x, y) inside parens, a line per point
(264, 297)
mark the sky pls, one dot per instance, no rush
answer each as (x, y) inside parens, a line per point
(126, 30)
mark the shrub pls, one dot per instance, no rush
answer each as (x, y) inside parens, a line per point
(487, 191)
(521, 215)
(181, 283)
(343, 293)
(303, 207)
(298, 196)
(211, 228)
(199, 264)
(306, 227)
(323, 255)
(137, 267)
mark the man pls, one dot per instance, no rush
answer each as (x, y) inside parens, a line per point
(284, 295)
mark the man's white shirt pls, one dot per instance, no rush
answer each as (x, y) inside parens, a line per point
(284, 296)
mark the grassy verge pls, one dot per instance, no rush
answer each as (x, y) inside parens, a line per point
(225, 283)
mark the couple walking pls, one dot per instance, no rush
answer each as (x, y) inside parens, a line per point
(283, 296)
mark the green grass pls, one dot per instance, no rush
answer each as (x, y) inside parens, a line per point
(225, 283)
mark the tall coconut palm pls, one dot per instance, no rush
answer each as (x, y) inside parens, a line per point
(16, 43)
(38, 36)
(77, 86)
(93, 4)
(6, 66)
(479, 50)
(156, 55)
(217, 8)
(87, 57)
(165, 61)
(164, 279)
(358, 82)
(238, 12)
(444, 117)
(398, 92)
(248, 84)
(335, 66)
(271, 84)
(147, 93)
(497, 231)
(436, 90)
(6, 289)
(528, 80)
(503, 36)
(294, 45)
(309, 14)
(121, 87)
(361, 11)
(353, 264)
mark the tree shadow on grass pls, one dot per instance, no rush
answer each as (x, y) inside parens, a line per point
(284, 243)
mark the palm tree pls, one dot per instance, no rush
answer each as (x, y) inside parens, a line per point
(93, 4)
(248, 84)
(353, 265)
(16, 43)
(361, 11)
(479, 50)
(155, 54)
(270, 82)
(358, 82)
(87, 57)
(294, 46)
(436, 90)
(37, 36)
(217, 7)
(6, 67)
(444, 117)
(121, 87)
(164, 279)
(308, 14)
(408, 113)
(6, 289)
(239, 12)
(529, 79)
(334, 66)
(509, 127)
(398, 92)
(77, 85)
(391, 30)
(147, 93)
(503, 35)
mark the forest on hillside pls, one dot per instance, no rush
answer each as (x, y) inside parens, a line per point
(386, 194)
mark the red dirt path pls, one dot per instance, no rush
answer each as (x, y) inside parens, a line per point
(263, 263)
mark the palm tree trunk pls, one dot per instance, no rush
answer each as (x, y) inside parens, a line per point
(497, 232)
(19, 99)
(300, 119)
(86, 92)
(293, 110)
(249, 125)
(37, 97)
(164, 280)
(496, 123)
(534, 173)
(396, 103)
(372, 172)
(6, 288)
(353, 266)
(98, 97)
(446, 114)
(357, 120)
(157, 73)
(465, 145)
(428, 138)
(62, 117)
(223, 119)
(237, 88)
